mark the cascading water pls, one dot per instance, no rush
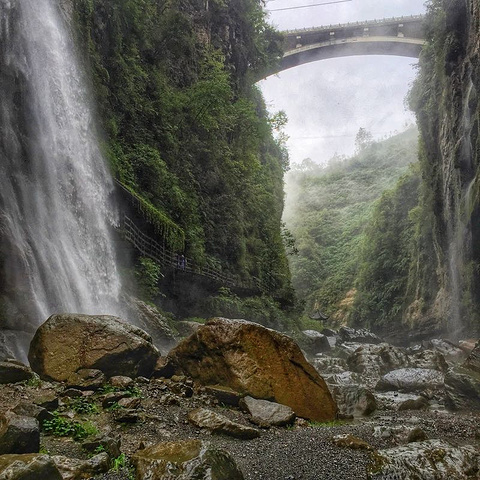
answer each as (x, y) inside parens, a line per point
(56, 254)
(460, 229)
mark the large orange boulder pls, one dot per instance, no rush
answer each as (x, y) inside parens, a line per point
(67, 343)
(256, 361)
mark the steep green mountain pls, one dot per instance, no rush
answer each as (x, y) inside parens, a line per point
(332, 213)
(187, 131)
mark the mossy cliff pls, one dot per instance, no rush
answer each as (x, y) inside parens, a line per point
(187, 131)
(439, 274)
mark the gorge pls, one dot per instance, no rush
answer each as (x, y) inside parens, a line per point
(370, 369)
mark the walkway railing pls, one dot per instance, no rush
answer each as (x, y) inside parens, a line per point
(150, 248)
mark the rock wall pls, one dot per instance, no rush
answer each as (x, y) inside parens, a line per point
(445, 271)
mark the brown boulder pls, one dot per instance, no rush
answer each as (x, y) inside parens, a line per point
(67, 343)
(255, 361)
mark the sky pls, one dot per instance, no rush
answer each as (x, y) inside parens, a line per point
(328, 101)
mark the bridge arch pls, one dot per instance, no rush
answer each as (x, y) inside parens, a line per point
(401, 36)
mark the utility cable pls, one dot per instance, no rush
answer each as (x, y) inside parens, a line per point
(308, 6)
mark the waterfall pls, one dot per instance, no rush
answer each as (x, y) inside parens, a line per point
(459, 233)
(56, 254)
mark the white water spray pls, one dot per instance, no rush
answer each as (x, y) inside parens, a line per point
(55, 213)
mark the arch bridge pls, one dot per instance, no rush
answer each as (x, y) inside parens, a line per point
(400, 36)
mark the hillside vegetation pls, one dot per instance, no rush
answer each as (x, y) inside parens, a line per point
(188, 132)
(346, 219)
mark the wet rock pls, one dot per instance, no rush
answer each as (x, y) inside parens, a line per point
(47, 400)
(76, 469)
(255, 361)
(14, 372)
(417, 435)
(446, 348)
(216, 423)
(344, 379)
(121, 382)
(126, 415)
(112, 398)
(267, 414)
(129, 402)
(186, 460)
(67, 343)
(313, 342)
(149, 319)
(328, 365)
(372, 361)
(430, 359)
(419, 403)
(28, 409)
(86, 379)
(164, 368)
(411, 380)
(109, 444)
(186, 328)
(350, 441)
(473, 360)
(362, 335)
(431, 459)
(462, 390)
(224, 395)
(354, 400)
(28, 467)
(19, 434)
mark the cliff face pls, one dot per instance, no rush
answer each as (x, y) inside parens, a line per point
(444, 288)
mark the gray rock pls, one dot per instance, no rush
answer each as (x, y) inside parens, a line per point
(372, 361)
(126, 415)
(344, 379)
(19, 434)
(446, 348)
(86, 379)
(411, 380)
(66, 343)
(121, 382)
(28, 467)
(431, 459)
(130, 402)
(431, 359)
(48, 400)
(149, 318)
(186, 460)
(14, 372)
(313, 342)
(75, 468)
(27, 409)
(329, 365)
(216, 423)
(473, 360)
(224, 395)
(110, 445)
(354, 400)
(362, 335)
(419, 403)
(112, 398)
(266, 414)
(462, 390)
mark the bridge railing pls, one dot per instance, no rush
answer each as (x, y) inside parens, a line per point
(383, 21)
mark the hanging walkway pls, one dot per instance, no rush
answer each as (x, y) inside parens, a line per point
(167, 258)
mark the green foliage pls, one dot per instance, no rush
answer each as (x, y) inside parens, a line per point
(188, 133)
(263, 310)
(148, 274)
(328, 212)
(84, 405)
(386, 256)
(63, 427)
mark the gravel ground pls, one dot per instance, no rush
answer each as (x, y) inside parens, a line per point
(303, 451)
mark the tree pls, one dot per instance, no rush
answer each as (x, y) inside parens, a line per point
(363, 139)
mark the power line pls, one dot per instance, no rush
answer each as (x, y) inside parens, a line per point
(308, 6)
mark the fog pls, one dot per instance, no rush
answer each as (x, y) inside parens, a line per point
(328, 101)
